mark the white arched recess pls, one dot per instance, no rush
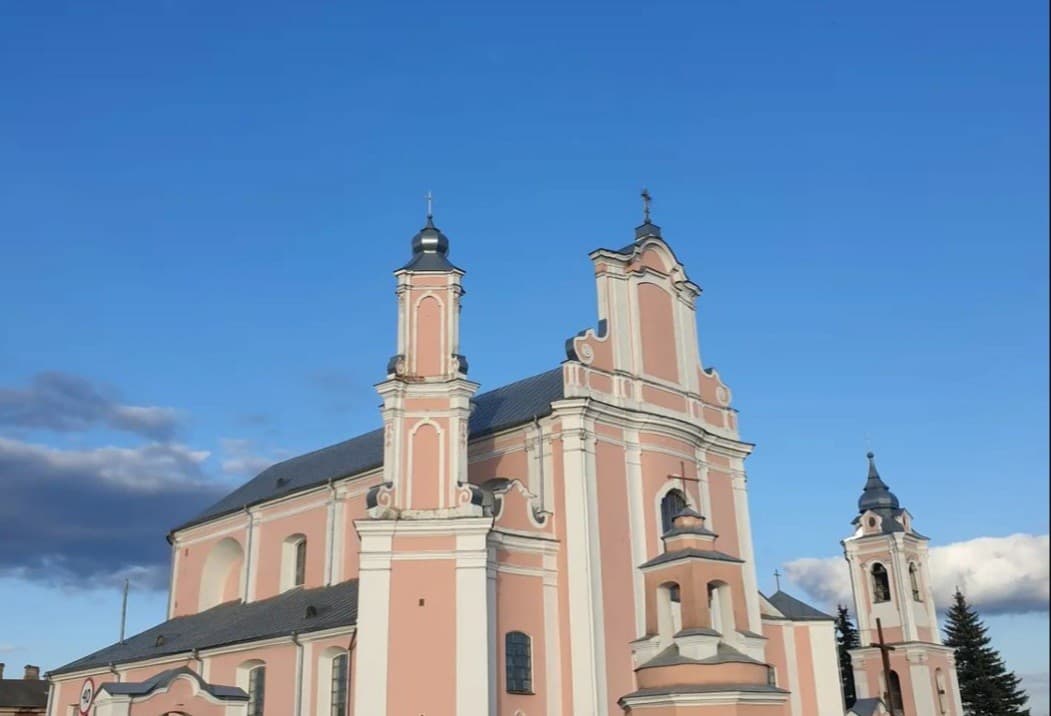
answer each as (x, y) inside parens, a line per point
(225, 556)
(324, 679)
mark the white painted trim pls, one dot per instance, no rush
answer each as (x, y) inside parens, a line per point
(370, 661)
(473, 692)
(747, 553)
(584, 569)
(637, 523)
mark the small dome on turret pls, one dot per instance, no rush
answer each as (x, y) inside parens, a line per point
(430, 248)
(430, 239)
(876, 495)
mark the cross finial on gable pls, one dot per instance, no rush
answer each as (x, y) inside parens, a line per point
(777, 578)
(646, 199)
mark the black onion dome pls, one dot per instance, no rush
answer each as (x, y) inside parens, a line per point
(876, 496)
(430, 247)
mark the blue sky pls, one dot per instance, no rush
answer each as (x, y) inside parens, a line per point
(201, 204)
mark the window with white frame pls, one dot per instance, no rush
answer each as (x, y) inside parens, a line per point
(256, 690)
(339, 685)
(293, 562)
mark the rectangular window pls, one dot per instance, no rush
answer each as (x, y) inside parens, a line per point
(518, 653)
(256, 690)
(339, 685)
(301, 563)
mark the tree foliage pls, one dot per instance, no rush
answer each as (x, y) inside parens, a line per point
(846, 639)
(987, 688)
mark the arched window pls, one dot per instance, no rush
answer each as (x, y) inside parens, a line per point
(880, 583)
(293, 562)
(518, 653)
(256, 690)
(340, 680)
(939, 683)
(914, 582)
(671, 504)
(894, 692)
(669, 611)
(721, 607)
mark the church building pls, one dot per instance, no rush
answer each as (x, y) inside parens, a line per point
(577, 542)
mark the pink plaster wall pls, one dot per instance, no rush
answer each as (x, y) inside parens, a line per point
(190, 562)
(617, 570)
(657, 326)
(280, 660)
(805, 663)
(271, 535)
(724, 512)
(412, 626)
(430, 332)
(426, 488)
(520, 607)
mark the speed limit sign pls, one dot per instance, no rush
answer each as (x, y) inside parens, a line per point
(87, 695)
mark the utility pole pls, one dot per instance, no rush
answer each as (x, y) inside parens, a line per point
(124, 611)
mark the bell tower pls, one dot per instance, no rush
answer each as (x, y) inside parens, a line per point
(424, 594)
(890, 576)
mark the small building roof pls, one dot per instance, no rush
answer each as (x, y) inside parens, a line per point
(796, 610)
(867, 707)
(495, 410)
(233, 623)
(159, 681)
(23, 693)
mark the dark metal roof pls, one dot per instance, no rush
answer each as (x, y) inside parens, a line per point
(23, 693)
(158, 681)
(690, 553)
(876, 494)
(234, 623)
(430, 247)
(495, 410)
(795, 610)
(867, 707)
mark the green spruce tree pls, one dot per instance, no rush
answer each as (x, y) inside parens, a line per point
(987, 688)
(846, 639)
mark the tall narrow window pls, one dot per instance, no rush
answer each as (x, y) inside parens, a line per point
(671, 504)
(519, 655)
(301, 563)
(880, 583)
(256, 690)
(894, 692)
(914, 582)
(339, 685)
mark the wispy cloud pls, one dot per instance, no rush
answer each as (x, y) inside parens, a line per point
(69, 403)
(82, 518)
(999, 575)
(243, 458)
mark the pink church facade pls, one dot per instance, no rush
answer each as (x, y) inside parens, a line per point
(577, 542)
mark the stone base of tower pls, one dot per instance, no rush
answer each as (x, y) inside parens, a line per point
(424, 617)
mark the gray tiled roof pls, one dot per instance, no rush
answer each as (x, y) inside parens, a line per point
(690, 552)
(23, 693)
(867, 707)
(795, 610)
(495, 410)
(233, 623)
(157, 681)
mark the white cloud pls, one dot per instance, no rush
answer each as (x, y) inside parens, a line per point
(148, 467)
(69, 403)
(999, 575)
(241, 458)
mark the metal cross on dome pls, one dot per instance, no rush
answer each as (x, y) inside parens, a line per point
(646, 199)
(430, 204)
